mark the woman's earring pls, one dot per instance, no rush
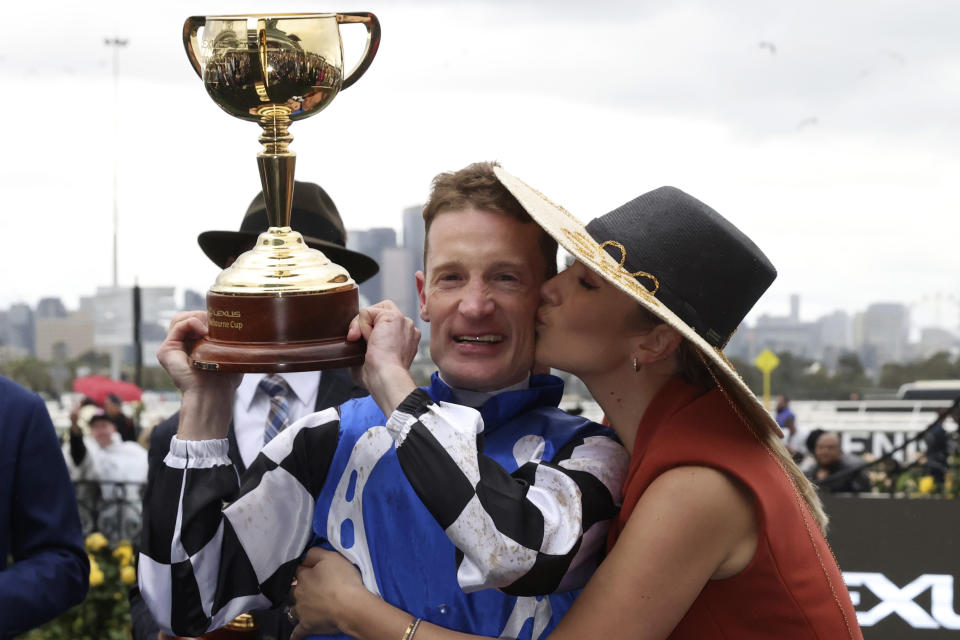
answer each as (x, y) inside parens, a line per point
(636, 367)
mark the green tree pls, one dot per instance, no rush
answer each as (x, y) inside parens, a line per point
(939, 366)
(93, 360)
(155, 379)
(31, 373)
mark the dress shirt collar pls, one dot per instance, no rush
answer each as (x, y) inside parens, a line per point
(302, 383)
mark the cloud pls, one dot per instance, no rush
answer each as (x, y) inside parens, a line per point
(591, 104)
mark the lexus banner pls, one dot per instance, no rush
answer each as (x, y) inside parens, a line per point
(901, 561)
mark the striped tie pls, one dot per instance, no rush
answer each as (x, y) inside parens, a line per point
(279, 416)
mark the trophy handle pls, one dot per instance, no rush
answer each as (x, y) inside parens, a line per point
(373, 42)
(190, 27)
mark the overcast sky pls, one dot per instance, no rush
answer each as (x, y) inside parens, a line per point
(829, 132)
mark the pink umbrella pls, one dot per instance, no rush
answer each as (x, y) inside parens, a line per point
(97, 388)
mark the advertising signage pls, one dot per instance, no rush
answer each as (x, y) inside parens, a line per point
(901, 562)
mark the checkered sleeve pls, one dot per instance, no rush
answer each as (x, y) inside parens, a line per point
(215, 545)
(536, 531)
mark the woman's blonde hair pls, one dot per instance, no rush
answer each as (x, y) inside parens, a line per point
(694, 368)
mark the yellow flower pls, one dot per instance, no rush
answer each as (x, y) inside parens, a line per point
(117, 595)
(128, 575)
(926, 484)
(96, 577)
(123, 553)
(95, 541)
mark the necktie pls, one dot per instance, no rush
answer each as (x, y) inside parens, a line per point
(279, 416)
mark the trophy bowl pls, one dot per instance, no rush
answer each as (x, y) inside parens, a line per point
(282, 306)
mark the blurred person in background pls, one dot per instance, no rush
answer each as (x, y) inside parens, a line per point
(113, 408)
(104, 457)
(787, 421)
(834, 470)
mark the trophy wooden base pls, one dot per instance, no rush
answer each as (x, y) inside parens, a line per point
(276, 333)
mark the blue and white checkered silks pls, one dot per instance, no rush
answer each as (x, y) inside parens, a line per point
(398, 498)
(279, 416)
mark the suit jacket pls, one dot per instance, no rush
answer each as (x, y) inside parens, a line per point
(336, 387)
(39, 523)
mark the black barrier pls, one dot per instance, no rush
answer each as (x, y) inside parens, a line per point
(891, 455)
(112, 508)
(901, 561)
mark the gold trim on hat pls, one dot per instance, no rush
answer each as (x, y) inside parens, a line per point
(623, 259)
(603, 262)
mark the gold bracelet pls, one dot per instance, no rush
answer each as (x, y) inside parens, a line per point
(411, 629)
(416, 623)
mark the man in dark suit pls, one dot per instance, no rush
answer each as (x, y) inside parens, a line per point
(39, 523)
(315, 216)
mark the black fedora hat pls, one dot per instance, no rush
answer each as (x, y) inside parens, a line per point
(313, 215)
(679, 259)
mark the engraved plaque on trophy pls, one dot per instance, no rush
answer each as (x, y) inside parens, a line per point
(282, 306)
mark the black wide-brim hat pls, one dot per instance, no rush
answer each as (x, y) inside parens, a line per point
(313, 215)
(679, 259)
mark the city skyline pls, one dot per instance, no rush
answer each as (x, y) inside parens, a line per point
(927, 309)
(834, 149)
(51, 330)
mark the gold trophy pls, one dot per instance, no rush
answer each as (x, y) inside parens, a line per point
(282, 306)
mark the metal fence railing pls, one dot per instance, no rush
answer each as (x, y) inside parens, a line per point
(112, 508)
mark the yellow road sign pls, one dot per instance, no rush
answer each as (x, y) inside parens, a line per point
(767, 361)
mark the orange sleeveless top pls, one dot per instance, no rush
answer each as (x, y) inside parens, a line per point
(792, 588)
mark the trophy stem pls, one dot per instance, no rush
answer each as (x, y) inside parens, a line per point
(276, 163)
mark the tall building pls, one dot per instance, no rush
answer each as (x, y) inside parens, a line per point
(779, 334)
(194, 301)
(886, 328)
(51, 308)
(21, 329)
(835, 330)
(397, 267)
(413, 233)
(9, 351)
(935, 340)
(373, 242)
(113, 322)
(67, 337)
(414, 237)
(783, 334)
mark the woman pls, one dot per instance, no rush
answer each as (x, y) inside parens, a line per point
(720, 535)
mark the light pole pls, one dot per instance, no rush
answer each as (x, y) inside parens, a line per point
(116, 43)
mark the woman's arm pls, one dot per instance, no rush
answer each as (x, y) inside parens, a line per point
(693, 524)
(330, 598)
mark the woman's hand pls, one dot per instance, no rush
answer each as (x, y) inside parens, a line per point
(326, 592)
(392, 341)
